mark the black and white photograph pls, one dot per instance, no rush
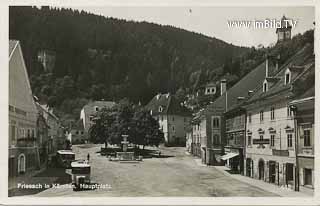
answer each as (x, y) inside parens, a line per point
(161, 101)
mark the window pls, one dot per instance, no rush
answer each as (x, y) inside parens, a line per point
(28, 133)
(289, 137)
(172, 118)
(208, 90)
(261, 116)
(173, 128)
(82, 132)
(249, 140)
(289, 113)
(160, 108)
(306, 137)
(272, 113)
(90, 118)
(216, 122)
(96, 108)
(272, 140)
(77, 132)
(249, 117)
(212, 90)
(261, 137)
(32, 133)
(265, 87)
(287, 77)
(13, 132)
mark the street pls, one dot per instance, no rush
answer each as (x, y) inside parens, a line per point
(174, 174)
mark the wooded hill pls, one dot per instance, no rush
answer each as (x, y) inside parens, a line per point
(106, 58)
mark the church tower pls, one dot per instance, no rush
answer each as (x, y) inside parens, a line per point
(284, 33)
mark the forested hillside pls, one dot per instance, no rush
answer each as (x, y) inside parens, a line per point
(105, 58)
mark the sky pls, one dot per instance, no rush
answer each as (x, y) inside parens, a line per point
(213, 21)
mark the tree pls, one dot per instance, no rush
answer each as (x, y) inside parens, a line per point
(110, 124)
(146, 129)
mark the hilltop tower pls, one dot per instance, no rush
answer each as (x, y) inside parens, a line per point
(284, 33)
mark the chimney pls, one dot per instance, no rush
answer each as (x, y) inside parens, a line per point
(267, 66)
(223, 86)
(277, 62)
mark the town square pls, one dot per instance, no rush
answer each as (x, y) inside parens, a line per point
(103, 103)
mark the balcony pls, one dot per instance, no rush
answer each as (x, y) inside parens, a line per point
(26, 142)
(261, 141)
(306, 151)
(283, 153)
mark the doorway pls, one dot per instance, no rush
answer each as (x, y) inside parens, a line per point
(261, 169)
(272, 171)
(289, 173)
(248, 167)
(21, 164)
(307, 176)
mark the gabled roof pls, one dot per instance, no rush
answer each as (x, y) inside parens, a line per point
(12, 45)
(169, 105)
(249, 82)
(301, 62)
(89, 108)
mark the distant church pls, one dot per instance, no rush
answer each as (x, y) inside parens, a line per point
(284, 33)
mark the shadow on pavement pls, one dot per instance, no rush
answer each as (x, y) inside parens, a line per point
(48, 176)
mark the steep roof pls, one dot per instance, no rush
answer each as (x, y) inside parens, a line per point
(12, 45)
(89, 108)
(300, 63)
(168, 104)
(249, 82)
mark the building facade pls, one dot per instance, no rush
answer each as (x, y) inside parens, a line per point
(89, 110)
(23, 149)
(270, 128)
(172, 116)
(304, 111)
(235, 136)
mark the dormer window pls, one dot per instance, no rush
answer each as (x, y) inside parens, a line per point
(96, 108)
(160, 108)
(287, 77)
(265, 86)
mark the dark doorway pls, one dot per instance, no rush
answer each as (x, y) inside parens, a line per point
(289, 173)
(272, 171)
(248, 167)
(11, 167)
(307, 176)
(261, 169)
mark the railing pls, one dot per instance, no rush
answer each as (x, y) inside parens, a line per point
(261, 141)
(307, 150)
(26, 141)
(284, 153)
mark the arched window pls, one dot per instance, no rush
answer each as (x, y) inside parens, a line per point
(160, 108)
(21, 163)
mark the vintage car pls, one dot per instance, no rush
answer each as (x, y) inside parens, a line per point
(80, 171)
(64, 158)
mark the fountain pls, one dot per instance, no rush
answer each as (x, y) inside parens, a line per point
(124, 155)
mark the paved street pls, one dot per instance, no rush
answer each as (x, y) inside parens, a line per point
(175, 174)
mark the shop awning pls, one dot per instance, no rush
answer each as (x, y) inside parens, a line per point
(229, 155)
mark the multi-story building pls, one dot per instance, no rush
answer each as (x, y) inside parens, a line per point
(215, 137)
(76, 134)
(172, 116)
(303, 108)
(89, 110)
(23, 149)
(235, 137)
(270, 128)
(55, 131)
